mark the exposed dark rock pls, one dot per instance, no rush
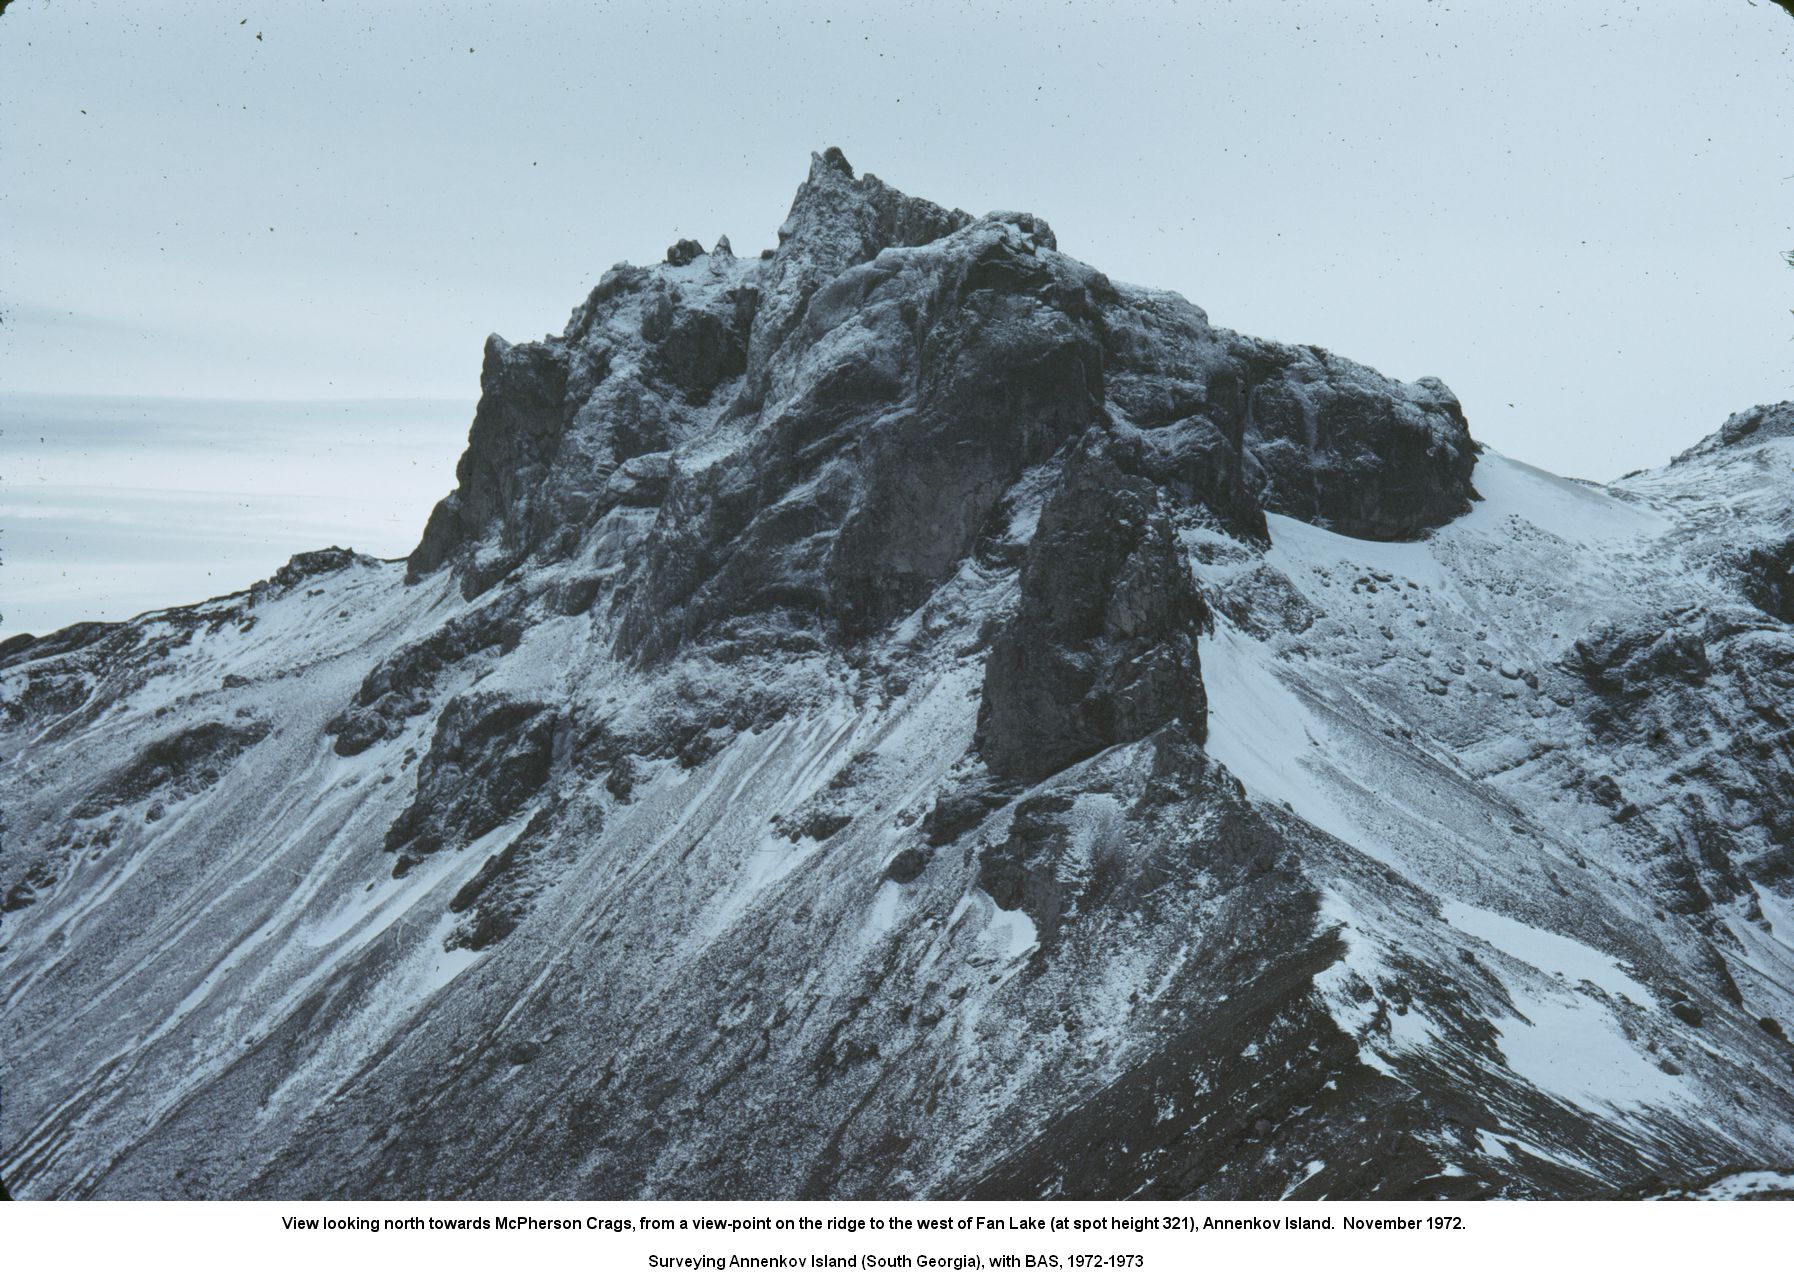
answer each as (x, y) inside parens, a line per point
(895, 368)
(1178, 395)
(516, 434)
(311, 565)
(819, 824)
(1746, 428)
(1769, 579)
(1263, 601)
(489, 756)
(960, 809)
(621, 779)
(700, 351)
(1687, 1013)
(1606, 791)
(1239, 426)
(1189, 1122)
(1635, 661)
(1025, 871)
(640, 481)
(38, 878)
(577, 596)
(1102, 649)
(1007, 373)
(504, 889)
(399, 687)
(49, 692)
(76, 636)
(1336, 444)
(179, 765)
(907, 866)
(1704, 689)
(914, 393)
(836, 221)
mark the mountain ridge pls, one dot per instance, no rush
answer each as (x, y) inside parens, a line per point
(906, 715)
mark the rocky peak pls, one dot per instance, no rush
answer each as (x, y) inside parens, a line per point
(836, 221)
(803, 447)
(1746, 428)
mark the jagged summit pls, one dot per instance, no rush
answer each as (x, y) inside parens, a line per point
(910, 716)
(827, 432)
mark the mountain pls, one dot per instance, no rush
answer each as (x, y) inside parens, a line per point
(906, 715)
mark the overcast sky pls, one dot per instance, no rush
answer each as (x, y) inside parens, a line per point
(1572, 213)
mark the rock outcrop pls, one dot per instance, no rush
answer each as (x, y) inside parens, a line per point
(1102, 649)
(1763, 423)
(883, 380)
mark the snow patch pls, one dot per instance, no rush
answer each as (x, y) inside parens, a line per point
(1547, 951)
(1571, 1047)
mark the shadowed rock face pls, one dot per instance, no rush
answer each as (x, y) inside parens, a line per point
(1336, 444)
(1102, 648)
(489, 756)
(1769, 579)
(883, 380)
(516, 435)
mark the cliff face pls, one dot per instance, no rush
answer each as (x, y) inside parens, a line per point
(907, 715)
(824, 434)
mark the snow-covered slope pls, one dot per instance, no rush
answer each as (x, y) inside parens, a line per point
(908, 716)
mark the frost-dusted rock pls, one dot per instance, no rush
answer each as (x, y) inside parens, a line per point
(181, 764)
(1028, 870)
(915, 392)
(1178, 397)
(504, 889)
(1102, 649)
(1768, 575)
(399, 687)
(873, 390)
(489, 755)
(907, 866)
(836, 221)
(516, 434)
(1763, 423)
(37, 878)
(1635, 660)
(1335, 443)
(1010, 368)
(1241, 426)
(309, 565)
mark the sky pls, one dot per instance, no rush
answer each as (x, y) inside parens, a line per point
(278, 257)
